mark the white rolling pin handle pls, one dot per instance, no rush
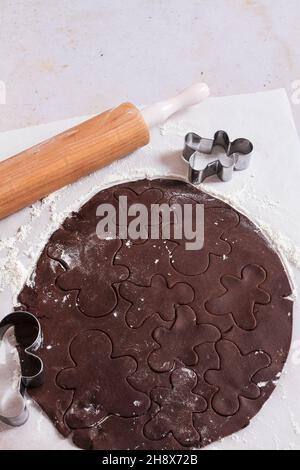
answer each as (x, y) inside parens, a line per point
(160, 112)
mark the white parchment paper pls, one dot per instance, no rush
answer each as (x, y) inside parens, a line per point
(268, 193)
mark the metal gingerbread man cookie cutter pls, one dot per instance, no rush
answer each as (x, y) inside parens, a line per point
(28, 334)
(218, 156)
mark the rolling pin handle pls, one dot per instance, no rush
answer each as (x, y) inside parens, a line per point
(160, 112)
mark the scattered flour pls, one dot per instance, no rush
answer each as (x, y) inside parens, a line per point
(17, 262)
(282, 244)
(178, 128)
(13, 272)
(289, 252)
(262, 384)
(295, 423)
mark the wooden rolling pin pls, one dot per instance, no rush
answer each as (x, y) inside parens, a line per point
(79, 151)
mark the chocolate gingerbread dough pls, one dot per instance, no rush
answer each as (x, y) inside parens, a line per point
(148, 345)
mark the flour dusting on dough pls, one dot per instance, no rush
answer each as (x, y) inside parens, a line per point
(13, 272)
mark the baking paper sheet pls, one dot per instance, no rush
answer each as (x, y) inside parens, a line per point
(268, 193)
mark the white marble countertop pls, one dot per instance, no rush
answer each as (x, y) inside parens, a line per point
(68, 58)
